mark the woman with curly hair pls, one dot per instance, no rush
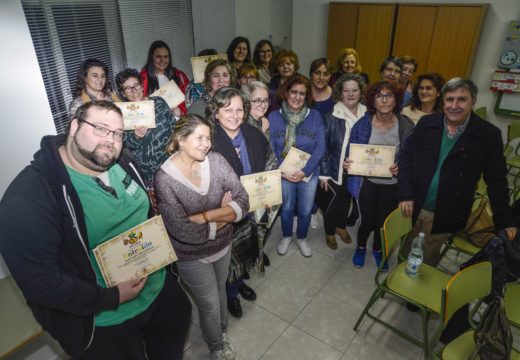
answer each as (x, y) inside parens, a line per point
(426, 96)
(91, 84)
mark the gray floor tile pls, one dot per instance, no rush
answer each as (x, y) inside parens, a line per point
(351, 285)
(374, 341)
(330, 320)
(295, 344)
(194, 334)
(314, 271)
(255, 332)
(284, 296)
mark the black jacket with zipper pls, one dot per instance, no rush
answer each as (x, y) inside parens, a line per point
(45, 246)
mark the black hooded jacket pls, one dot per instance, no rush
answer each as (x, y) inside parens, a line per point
(45, 246)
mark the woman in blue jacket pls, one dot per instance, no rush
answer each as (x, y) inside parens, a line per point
(377, 196)
(296, 125)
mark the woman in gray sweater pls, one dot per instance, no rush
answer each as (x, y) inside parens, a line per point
(199, 196)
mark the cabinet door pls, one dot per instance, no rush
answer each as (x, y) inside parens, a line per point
(342, 28)
(414, 32)
(455, 39)
(373, 36)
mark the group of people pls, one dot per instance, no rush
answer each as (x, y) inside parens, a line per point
(97, 180)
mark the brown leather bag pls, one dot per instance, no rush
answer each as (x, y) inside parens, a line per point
(480, 227)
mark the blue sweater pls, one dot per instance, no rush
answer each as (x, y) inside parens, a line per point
(310, 137)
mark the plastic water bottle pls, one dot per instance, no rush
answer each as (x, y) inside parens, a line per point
(415, 258)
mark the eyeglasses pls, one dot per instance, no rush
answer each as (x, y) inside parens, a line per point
(259, 102)
(132, 88)
(103, 131)
(296, 93)
(386, 96)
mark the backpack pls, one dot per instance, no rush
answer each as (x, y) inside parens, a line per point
(493, 337)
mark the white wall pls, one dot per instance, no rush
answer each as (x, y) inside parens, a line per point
(267, 19)
(309, 30)
(27, 114)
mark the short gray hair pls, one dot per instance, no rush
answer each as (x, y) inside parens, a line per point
(456, 83)
(250, 87)
(337, 89)
(222, 99)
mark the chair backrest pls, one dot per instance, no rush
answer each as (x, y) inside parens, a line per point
(513, 131)
(17, 324)
(471, 283)
(482, 112)
(395, 227)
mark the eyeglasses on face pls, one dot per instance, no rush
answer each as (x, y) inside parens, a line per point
(259, 102)
(104, 132)
(132, 88)
(384, 96)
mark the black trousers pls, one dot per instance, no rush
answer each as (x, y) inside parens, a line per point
(376, 202)
(158, 333)
(335, 213)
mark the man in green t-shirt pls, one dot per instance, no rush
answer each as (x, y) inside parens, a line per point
(440, 165)
(80, 191)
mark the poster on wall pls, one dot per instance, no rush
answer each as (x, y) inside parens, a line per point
(509, 57)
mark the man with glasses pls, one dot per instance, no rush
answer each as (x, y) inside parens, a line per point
(440, 165)
(77, 193)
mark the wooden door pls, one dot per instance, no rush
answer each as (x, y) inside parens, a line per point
(455, 39)
(342, 28)
(414, 32)
(373, 36)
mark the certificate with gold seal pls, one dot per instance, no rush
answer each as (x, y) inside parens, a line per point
(295, 159)
(371, 160)
(135, 253)
(137, 113)
(171, 93)
(264, 189)
(199, 63)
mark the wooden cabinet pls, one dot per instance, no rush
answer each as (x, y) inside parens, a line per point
(443, 38)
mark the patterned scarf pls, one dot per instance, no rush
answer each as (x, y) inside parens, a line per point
(293, 120)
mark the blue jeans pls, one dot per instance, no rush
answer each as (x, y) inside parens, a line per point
(298, 198)
(207, 283)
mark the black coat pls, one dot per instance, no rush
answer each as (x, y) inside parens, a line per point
(258, 149)
(46, 249)
(479, 150)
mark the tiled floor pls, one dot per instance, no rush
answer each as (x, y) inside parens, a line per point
(307, 307)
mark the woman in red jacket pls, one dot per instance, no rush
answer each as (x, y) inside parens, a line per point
(158, 70)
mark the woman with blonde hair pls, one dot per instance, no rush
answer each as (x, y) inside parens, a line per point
(199, 197)
(348, 62)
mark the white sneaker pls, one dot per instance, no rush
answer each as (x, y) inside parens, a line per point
(217, 355)
(314, 221)
(228, 349)
(304, 247)
(283, 246)
(295, 224)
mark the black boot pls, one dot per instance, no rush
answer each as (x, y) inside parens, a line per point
(246, 292)
(234, 307)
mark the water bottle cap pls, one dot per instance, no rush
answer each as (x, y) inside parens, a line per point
(421, 234)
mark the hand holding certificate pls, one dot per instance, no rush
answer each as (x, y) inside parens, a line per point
(135, 253)
(264, 189)
(137, 114)
(199, 63)
(171, 93)
(295, 160)
(371, 160)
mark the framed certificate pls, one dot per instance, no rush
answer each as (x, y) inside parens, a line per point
(171, 93)
(295, 160)
(135, 253)
(371, 160)
(264, 189)
(199, 63)
(137, 113)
